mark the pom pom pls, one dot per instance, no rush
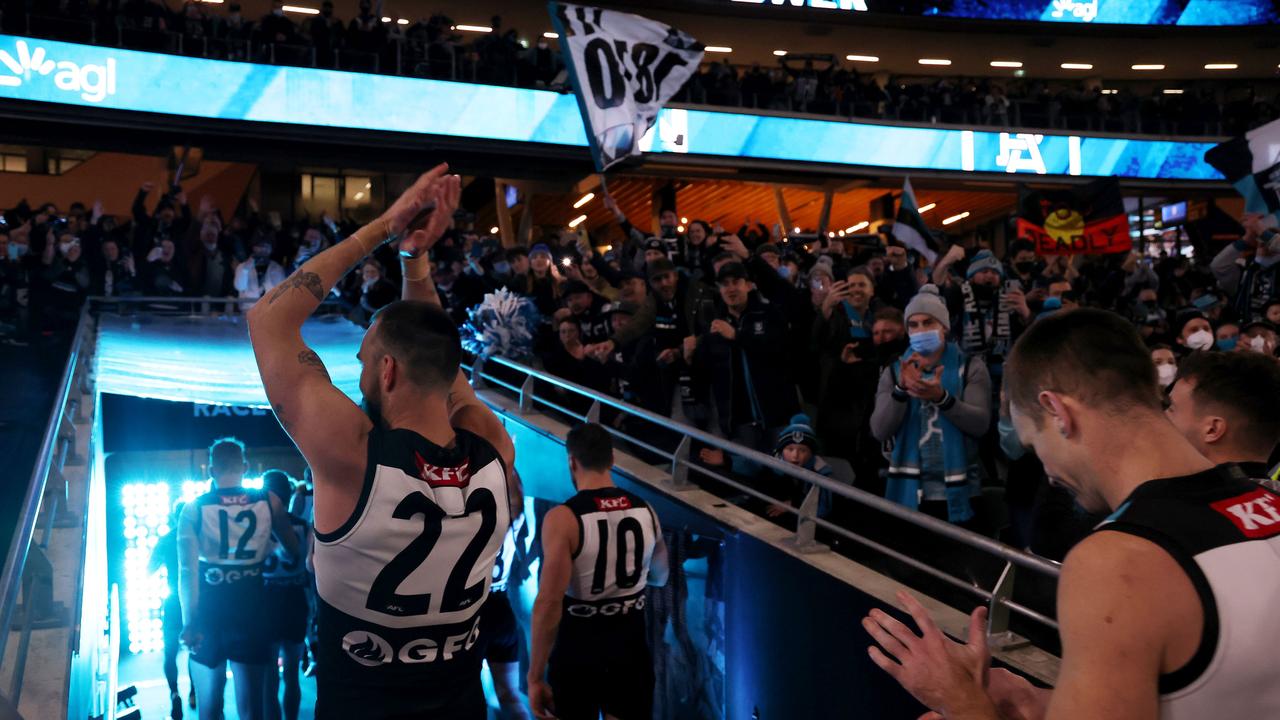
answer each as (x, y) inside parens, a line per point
(502, 325)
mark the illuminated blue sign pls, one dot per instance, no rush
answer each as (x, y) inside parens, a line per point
(110, 78)
(1117, 12)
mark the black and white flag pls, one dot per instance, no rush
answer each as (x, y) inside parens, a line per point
(1251, 163)
(624, 69)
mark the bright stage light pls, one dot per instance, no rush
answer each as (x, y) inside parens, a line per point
(145, 507)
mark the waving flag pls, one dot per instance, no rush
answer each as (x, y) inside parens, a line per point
(1252, 164)
(624, 69)
(909, 228)
(1089, 219)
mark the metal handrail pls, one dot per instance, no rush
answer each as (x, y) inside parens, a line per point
(862, 497)
(24, 532)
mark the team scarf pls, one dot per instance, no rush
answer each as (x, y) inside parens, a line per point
(973, 339)
(905, 466)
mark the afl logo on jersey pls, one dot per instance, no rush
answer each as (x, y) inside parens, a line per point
(366, 648)
(458, 477)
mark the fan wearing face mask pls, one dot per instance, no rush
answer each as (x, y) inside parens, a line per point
(1252, 283)
(933, 404)
(1193, 332)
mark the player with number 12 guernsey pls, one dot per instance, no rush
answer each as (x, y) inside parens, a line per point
(413, 493)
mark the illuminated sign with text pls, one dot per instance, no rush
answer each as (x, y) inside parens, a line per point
(1196, 13)
(125, 80)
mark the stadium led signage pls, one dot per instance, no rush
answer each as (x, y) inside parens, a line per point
(1115, 12)
(125, 80)
(858, 5)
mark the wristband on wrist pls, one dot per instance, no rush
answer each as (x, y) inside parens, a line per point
(371, 240)
(417, 268)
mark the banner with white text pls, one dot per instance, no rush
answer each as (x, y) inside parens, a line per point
(624, 69)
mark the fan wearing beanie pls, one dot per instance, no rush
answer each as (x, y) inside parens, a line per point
(797, 444)
(932, 405)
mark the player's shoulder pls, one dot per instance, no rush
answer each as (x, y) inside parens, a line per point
(561, 523)
(1121, 562)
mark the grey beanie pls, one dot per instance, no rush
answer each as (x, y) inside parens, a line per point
(928, 302)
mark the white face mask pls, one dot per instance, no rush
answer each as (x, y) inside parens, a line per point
(1200, 340)
(1166, 373)
(1258, 343)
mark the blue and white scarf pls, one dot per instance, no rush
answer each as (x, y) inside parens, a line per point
(905, 467)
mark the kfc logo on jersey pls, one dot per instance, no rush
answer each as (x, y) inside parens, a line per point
(618, 503)
(1256, 514)
(457, 477)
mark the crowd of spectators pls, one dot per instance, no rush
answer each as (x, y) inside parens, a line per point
(825, 85)
(822, 84)
(52, 258)
(859, 361)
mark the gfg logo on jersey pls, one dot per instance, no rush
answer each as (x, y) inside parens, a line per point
(366, 648)
(371, 650)
(93, 82)
(608, 609)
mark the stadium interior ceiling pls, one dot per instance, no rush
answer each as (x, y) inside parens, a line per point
(755, 32)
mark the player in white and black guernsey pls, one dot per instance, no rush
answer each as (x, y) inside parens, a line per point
(224, 537)
(500, 633)
(1168, 609)
(287, 581)
(600, 550)
(412, 493)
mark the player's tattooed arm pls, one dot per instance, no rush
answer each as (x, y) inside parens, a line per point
(308, 281)
(309, 359)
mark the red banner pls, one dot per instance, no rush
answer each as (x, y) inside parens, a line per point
(1110, 235)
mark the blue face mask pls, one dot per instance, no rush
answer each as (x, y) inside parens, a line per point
(1227, 344)
(16, 250)
(784, 271)
(502, 268)
(927, 342)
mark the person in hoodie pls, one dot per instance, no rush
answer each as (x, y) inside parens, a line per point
(1253, 284)
(745, 352)
(933, 405)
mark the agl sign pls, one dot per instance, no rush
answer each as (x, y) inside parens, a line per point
(93, 82)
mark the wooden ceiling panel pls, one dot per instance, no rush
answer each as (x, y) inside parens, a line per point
(731, 203)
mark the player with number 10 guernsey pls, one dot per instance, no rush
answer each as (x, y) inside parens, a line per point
(600, 549)
(413, 493)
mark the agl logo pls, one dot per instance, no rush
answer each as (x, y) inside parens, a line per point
(93, 82)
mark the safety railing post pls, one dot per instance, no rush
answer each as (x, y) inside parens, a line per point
(593, 413)
(526, 395)
(999, 637)
(806, 528)
(679, 464)
(477, 373)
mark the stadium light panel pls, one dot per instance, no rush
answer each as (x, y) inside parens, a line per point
(1006, 63)
(1076, 66)
(934, 61)
(300, 10)
(956, 218)
(862, 58)
(927, 208)
(1155, 66)
(1222, 66)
